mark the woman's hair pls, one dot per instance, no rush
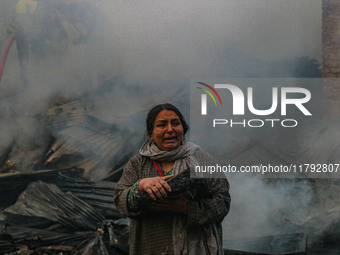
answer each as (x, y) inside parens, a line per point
(150, 119)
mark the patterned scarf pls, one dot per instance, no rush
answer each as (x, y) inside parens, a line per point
(182, 155)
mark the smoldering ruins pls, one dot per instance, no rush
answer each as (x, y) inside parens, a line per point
(74, 101)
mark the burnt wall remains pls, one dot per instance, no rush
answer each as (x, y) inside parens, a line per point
(331, 56)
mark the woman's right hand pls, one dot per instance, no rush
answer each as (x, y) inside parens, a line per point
(156, 187)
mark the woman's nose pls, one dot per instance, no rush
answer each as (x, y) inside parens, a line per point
(170, 128)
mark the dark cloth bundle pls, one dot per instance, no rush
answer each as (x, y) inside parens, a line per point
(193, 188)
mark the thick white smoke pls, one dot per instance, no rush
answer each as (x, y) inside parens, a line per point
(157, 46)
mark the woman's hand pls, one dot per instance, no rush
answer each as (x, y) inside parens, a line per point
(156, 187)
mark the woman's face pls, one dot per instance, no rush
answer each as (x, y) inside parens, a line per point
(167, 131)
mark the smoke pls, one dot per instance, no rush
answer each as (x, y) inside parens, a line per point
(267, 207)
(162, 45)
(190, 39)
(144, 52)
(259, 208)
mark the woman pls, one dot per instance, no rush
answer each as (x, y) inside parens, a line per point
(180, 226)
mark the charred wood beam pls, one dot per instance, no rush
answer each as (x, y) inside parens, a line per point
(287, 244)
(34, 238)
(6, 152)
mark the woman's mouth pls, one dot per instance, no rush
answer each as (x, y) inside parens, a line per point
(170, 139)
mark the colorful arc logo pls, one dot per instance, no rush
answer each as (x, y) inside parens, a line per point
(204, 97)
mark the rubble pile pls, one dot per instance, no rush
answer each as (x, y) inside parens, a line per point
(46, 220)
(56, 206)
(56, 191)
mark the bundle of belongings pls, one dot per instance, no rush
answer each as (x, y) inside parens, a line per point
(182, 184)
